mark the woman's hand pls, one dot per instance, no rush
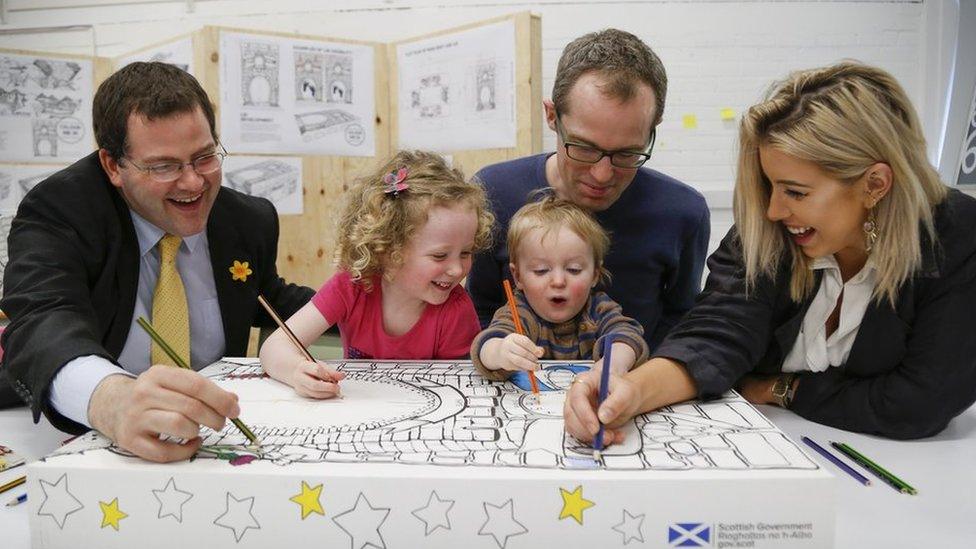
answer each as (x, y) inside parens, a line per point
(757, 389)
(580, 411)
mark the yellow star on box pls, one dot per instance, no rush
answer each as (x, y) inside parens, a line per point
(574, 504)
(240, 270)
(309, 500)
(111, 514)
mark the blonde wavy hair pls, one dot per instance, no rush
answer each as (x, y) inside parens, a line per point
(844, 118)
(376, 226)
(549, 214)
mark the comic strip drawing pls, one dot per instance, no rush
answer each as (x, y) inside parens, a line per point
(432, 97)
(46, 99)
(271, 179)
(259, 74)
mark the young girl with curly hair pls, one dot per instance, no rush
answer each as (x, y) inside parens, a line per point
(407, 235)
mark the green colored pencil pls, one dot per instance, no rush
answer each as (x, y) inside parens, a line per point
(179, 362)
(877, 470)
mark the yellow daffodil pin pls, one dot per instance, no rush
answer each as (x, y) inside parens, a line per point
(240, 270)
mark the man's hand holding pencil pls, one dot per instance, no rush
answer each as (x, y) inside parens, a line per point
(162, 400)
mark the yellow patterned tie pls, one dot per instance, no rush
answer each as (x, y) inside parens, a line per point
(169, 312)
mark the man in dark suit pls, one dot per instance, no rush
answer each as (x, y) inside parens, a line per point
(87, 250)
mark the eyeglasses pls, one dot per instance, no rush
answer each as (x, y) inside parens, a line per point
(592, 155)
(167, 172)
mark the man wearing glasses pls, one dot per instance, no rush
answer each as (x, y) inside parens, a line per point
(89, 252)
(607, 100)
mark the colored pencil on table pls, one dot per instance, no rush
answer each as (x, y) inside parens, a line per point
(836, 461)
(876, 470)
(604, 387)
(17, 500)
(145, 325)
(518, 328)
(13, 483)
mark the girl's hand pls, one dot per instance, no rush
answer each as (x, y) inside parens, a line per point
(518, 352)
(316, 380)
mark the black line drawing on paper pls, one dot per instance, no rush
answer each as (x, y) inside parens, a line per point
(259, 74)
(54, 74)
(338, 76)
(308, 76)
(314, 125)
(12, 102)
(485, 86)
(432, 97)
(271, 179)
(45, 136)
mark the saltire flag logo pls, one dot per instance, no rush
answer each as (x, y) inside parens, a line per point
(689, 534)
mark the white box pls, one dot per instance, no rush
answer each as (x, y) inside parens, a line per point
(432, 455)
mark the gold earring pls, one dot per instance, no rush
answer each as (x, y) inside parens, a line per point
(870, 229)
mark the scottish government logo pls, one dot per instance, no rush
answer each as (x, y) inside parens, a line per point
(689, 534)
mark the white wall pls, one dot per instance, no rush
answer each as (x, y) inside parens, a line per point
(718, 54)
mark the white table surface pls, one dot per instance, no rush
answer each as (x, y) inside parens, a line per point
(942, 468)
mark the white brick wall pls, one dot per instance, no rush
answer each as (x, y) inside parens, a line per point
(718, 54)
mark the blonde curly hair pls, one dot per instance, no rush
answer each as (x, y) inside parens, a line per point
(376, 226)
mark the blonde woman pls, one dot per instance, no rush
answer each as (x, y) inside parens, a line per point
(846, 290)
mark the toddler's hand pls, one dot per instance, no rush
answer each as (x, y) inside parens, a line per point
(518, 352)
(316, 380)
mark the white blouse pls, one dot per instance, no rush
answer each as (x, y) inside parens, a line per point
(813, 350)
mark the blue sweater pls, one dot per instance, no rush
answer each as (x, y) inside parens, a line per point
(658, 229)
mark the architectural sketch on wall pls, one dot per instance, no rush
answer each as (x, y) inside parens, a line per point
(485, 84)
(45, 105)
(259, 74)
(322, 94)
(430, 451)
(967, 158)
(279, 179)
(431, 98)
(16, 180)
(456, 91)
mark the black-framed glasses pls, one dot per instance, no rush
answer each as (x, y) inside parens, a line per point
(167, 172)
(591, 155)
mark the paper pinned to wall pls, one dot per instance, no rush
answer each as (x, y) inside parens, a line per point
(178, 53)
(45, 108)
(457, 91)
(277, 178)
(17, 179)
(296, 96)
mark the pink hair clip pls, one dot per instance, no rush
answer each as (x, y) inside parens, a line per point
(394, 182)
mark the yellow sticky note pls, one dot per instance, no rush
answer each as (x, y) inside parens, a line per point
(689, 121)
(728, 114)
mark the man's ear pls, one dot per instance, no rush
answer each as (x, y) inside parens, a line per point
(550, 109)
(515, 276)
(878, 183)
(111, 167)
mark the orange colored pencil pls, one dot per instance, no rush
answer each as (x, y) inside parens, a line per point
(518, 328)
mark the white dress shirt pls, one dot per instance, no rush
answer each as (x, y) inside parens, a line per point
(813, 350)
(72, 387)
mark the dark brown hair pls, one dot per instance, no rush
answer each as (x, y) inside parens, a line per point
(154, 90)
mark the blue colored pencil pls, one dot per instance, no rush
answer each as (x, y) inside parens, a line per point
(836, 461)
(604, 387)
(18, 500)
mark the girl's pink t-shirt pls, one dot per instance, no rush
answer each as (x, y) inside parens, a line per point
(443, 331)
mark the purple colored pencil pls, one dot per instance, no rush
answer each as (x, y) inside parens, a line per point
(604, 387)
(836, 461)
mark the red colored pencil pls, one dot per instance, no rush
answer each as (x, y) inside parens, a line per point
(518, 328)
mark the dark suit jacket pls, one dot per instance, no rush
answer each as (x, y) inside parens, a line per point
(72, 275)
(911, 369)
